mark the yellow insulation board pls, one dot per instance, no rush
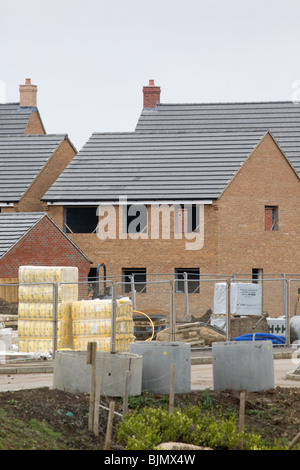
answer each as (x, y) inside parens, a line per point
(78, 322)
(35, 327)
(102, 327)
(35, 324)
(44, 311)
(92, 321)
(31, 274)
(38, 345)
(45, 293)
(41, 329)
(103, 344)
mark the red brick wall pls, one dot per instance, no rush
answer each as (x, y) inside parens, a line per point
(151, 95)
(268, 218)
(44, 245)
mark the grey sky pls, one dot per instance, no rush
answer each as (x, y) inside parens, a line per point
(91, 58)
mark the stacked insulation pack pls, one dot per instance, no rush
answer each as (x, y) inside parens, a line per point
(92, 321)
(36, 304)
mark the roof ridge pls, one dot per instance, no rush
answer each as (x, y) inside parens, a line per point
(209, 103)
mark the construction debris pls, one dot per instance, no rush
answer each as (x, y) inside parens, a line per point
(8, 321)
(8, 308)
(198, 334)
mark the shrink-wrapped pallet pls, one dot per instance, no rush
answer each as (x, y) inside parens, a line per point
(36, 307)
(34, 274)
(122, 343)
(92, 321)
(44, 311)
(45, 293)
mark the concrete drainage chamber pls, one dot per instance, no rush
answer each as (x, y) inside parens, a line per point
(243, 365)
(149, 363)
(158, 356)
(73, 374)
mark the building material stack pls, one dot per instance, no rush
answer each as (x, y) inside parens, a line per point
(36, 307)
(92, 321)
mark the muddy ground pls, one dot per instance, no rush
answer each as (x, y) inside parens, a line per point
(273, 413)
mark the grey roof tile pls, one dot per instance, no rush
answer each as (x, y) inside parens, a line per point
(22, 157)
(13, 118)
(178, 151)
(14, 226)
(153, 166)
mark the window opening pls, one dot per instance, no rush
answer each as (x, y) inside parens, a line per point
(257, 275)
(139, 278)
(271, 218)
(80, 220)
(193, 277)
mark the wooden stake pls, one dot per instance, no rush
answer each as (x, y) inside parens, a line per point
(92, 360)
(294, 441)
(97, 406)
(242, 416)
(172, 387)
(109, 425)
(126, 393)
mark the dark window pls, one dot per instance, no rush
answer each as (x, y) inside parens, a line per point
(193, 276)
(135, 218)
(271, 218)
(92, 276)
(80, 219)
(139, 279)
(257, 275)
(187, 218)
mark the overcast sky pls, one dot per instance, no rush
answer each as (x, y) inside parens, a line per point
(91, 58)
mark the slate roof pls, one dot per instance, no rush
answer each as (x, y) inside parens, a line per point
(22, 157)
(220, 117)
(281, 118)
(147, 167)
(180, 151)
(13, 118)
(14, 226)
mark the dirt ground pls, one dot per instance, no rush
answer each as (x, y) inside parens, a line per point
(273, 413)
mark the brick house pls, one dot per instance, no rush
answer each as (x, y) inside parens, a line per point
(229, 172)
(22, 117)
(34, 239)
(30, 159)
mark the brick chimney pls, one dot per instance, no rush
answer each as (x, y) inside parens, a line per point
(151, 95)
(28, 94)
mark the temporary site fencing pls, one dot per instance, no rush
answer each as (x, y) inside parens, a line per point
(46, 317)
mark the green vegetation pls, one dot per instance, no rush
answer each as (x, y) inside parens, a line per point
(15, 434)
(146, 428)
(45, 419)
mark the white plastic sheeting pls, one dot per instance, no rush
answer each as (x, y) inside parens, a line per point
(245, 298)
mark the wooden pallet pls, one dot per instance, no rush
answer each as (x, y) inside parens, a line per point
(143, 327)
